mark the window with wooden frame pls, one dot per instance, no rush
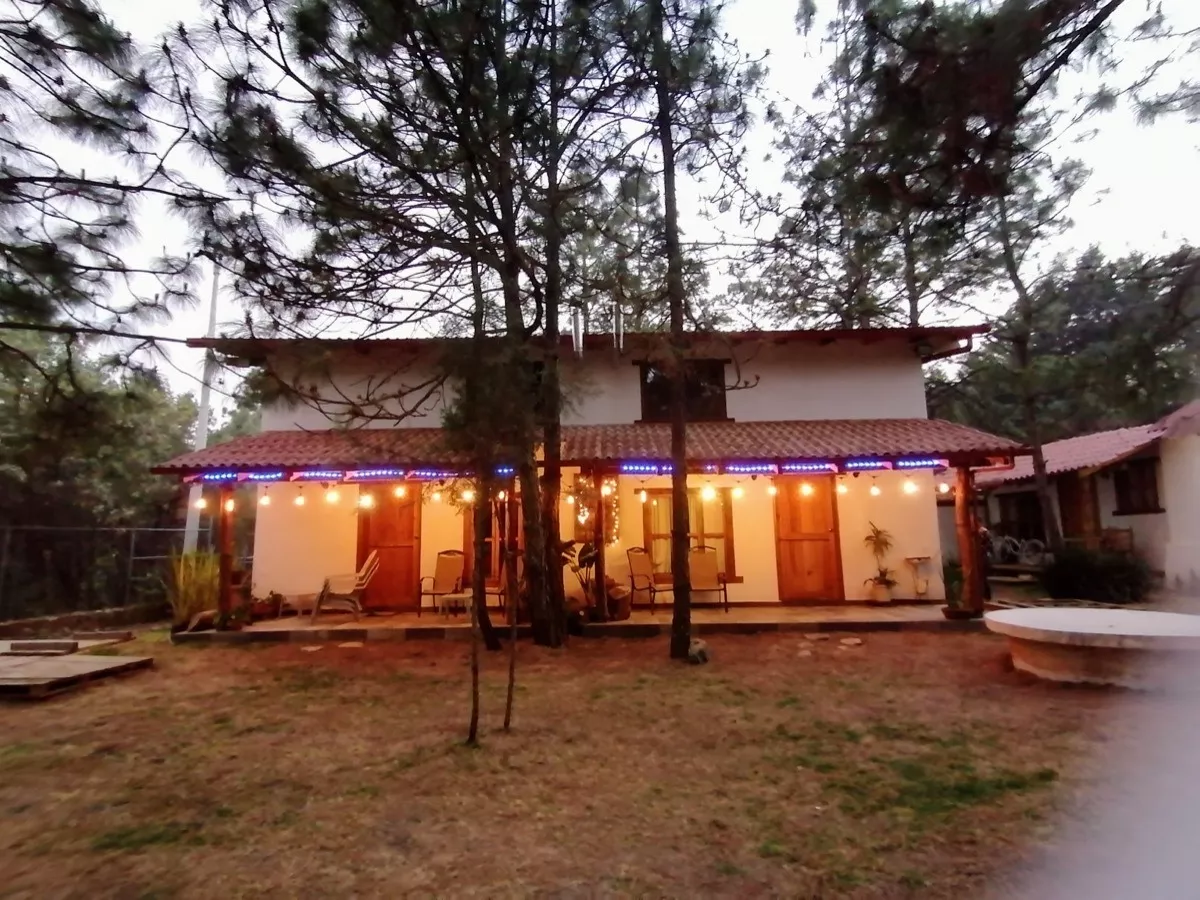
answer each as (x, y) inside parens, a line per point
(710, 524)
(1136, 487)
(705, 391)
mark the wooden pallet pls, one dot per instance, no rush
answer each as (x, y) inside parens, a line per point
(36, 678)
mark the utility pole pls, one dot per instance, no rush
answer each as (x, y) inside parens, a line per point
(191, 532)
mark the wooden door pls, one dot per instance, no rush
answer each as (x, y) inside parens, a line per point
(806, 540)
(391, 527)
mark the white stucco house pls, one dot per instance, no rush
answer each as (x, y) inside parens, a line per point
(826, 434)
(1129, 488)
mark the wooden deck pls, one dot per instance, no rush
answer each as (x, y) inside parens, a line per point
(35, 678)
(643, 623)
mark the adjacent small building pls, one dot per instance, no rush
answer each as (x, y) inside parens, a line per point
(1135, 489)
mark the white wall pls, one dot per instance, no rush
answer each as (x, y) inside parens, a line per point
(798, 381)
(441, 528)
(297, 547)
(912, 520)
(1179, 491)
(1149, 531)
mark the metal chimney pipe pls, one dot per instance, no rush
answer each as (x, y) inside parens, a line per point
(577, 330)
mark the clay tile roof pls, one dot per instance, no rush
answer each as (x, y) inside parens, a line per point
(814, 439)
(1182, 422)
(338, 448)
(409, 447)
(1087, 451)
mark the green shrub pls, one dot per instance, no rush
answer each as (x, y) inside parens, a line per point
(1078, 574)
(193, 585)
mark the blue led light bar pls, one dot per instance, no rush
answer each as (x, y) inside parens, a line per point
(264, 476)
(809, 465)
(922, 463)
(858, 465)
(317, 475)
(645, 468)
(369, 474)
(431, 474)
(505, 470)
(750, 468)
(219, 476)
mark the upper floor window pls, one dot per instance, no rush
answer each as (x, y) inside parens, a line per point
(1136, 485)
(705, 392)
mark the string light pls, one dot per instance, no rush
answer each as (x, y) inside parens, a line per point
(570, 499)
(943, 488)
(737, 492)
(264, 500)
(366, 501)
(332, 496)
(843, 488)
(772, 490)
(468, 496)
(200, 503)
(806, 489)
(605, 490)
(299, 501)
(910, 486)
(502, 496)
(642, 495)
(875, 491)
(436, 496)
(707, 493)
(229, 505)
(399, 491)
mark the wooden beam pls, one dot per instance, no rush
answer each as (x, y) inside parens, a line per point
(225, 549)
(968, 541)
(598, 540)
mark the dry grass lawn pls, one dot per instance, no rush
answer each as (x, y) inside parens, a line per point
(912, 766)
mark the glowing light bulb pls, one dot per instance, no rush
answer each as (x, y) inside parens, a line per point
(399, 492)
(201, 503)
(738, 492)
(910, 486)
(806, 489)
(772, 490)
(366, 501)
(570, 499)
(436, 496)
(264, 500)
(605, 490)
(229, 505)
(642, 495)
(943, 488)
(299, 501)
(875, 491)
(332, 496)
(502, 496)
(468, 495)
(842, 488)
(708, 492)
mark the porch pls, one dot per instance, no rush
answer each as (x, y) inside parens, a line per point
(343, 628)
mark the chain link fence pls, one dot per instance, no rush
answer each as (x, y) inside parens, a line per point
(46, 570)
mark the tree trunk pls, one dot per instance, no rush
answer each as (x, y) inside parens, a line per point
(1024, 365)
(508, 527)
(912, 294)
(477, 596)
(681, 618)
(551, 405)
(600, 584)
(480, 512)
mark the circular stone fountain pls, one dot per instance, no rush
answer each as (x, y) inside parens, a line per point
(1128, 647)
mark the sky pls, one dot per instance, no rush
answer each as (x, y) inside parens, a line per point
(1143, 193)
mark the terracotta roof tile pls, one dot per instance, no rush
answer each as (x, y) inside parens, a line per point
(813, 439)
(1084, 452)
(409, 447)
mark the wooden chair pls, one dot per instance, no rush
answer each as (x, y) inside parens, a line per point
(346, 591)
(446, 581)
(641, 575)
(702, 564)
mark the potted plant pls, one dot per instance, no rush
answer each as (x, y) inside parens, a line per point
(952, 577)
(879, 542)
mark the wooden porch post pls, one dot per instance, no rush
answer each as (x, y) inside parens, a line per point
(225, 549)
(968, 541)
(598, 540)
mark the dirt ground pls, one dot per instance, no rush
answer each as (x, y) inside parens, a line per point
(914, 765)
